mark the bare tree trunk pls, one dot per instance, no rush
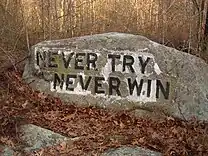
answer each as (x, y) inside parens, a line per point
(92, 16)
(62, 16)
(49, 19)
(161, 21)
(56, 17)
(6, 5)
(43, 19)
(190, 16)
(200, 6)
(206, 23)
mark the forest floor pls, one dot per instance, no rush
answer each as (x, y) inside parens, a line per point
(95, 127)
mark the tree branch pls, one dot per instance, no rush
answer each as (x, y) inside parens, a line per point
(196, 5)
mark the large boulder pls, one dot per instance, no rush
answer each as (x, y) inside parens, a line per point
(121, 71)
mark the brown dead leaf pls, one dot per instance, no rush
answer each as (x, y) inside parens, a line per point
(40, 152)
(7, 141)
(141, 140)
(155, 135)
(122, 125)
(174, 131)
(25, 104)
(170, 118)
(135, 142)
(21, 88)
(51, 115)
(71, 134)
(116, 122)
(68, 117)
(42, 95)
(62, 146)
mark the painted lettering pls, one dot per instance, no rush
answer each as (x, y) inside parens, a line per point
(165, 92)
(58, 81)
(79, 58)
(70, 80)
(143, 63)
(149, 84)
(51, 59)
(98, 85)
(135, 84)
(114, 84)
(91, 61)
(84, 85)
(67, 60)
(113, 58)
(41, 58)
(128, 61)
(114, 78)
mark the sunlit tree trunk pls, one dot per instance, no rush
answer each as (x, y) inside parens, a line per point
(49, 14)
(43, 19)
(206, 23)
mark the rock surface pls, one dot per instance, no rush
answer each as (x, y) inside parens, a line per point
(36, 137)
(121, 71)
(131, 151)
(6, 151)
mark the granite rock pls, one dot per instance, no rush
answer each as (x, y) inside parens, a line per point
(121, 71)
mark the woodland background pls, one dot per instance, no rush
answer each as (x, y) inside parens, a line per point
(182, 24)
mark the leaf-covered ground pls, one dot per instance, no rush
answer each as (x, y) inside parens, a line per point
(97, 129)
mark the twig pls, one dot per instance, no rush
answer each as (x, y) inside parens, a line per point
(85, 2)
(196, 5)
(24, 58)
(6, 67)
(180, 111)
(12, 62)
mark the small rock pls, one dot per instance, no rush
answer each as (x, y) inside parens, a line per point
(131, 151)
(36, 137)
(6, 151)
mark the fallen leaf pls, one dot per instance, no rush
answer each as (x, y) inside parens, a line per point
(68, 117)
(141, 140)
(62, 146)
(116, 122)
(25, 104)
(122, 125)
(155, 135)
(170, 118)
